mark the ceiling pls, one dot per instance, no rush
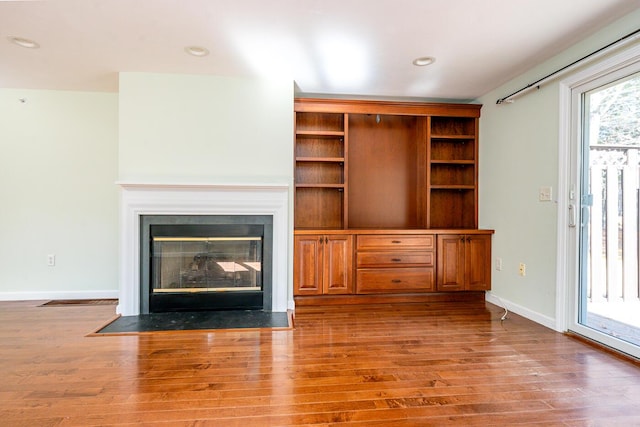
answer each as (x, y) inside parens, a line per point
(340, 47)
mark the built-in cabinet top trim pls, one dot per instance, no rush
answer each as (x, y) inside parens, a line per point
(321, 105)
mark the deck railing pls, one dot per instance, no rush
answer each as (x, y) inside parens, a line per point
(614, 185)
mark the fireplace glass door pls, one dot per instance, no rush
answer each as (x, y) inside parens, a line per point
(206, 264)
(206, 267)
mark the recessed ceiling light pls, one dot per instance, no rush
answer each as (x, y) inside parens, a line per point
(424, 60)
(196, 50)
(21, 41)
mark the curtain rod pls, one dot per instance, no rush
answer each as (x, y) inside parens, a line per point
(621, 41)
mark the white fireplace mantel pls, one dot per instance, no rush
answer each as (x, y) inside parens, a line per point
(200, 199)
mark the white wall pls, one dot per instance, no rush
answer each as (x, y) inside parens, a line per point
(63, 152)
(519, 154)
(58, 164)
(205, 129)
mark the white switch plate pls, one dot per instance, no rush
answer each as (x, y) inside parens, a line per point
(545, 194)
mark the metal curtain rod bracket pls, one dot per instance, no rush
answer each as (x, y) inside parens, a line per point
(626, 39)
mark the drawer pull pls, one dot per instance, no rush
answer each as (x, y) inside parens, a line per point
(396, 281)
(396, 259)
(396, 241)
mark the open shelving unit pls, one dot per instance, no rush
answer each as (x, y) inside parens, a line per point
(384, 165)
(453, 172)
(320, 156)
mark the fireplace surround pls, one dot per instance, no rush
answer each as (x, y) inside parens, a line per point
(139, 200)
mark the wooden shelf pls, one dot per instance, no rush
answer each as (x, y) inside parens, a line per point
(453, 187)
(319, 133)
(453, 162)
(321, 159)
(452, 136)
(336, 186)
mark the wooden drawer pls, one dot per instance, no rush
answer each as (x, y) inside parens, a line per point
(395, 241)
(392, 259)
(389, 280)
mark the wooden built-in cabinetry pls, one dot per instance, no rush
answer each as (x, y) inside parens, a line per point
(323, 264)
(463, 262)
(380, 187)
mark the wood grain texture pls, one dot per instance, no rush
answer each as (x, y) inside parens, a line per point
(365, 365)
(383, 171)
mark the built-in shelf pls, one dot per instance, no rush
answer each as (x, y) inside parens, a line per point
(454, 162)
(319, 133)
(385, 165)
(453, 187)
(321, 159)
(452, 136)
(338, 186)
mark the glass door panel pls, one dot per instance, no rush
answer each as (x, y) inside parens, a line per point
(206, 264)
(609, 291)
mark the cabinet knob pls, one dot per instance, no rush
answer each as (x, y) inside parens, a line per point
(396, 259)
(468, 238)
(396, 281)
(396, 241)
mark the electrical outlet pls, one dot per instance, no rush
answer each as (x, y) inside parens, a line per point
(498, 263)
(51, 260)
(522, 269)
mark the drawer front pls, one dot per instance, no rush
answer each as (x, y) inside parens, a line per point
(390, 259)
(395, 241)
(391, 280)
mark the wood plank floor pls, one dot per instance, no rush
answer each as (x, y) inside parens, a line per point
(376, 365)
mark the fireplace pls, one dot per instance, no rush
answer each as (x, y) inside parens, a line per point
(202, 202)
(204, 262)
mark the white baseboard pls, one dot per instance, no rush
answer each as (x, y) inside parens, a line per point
(522, 311)
(49, 295)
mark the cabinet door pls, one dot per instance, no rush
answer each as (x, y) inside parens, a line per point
(338, 264)
(308, 265)
(478, 262)
(451, 262)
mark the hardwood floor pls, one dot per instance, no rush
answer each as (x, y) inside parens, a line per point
(376, 365)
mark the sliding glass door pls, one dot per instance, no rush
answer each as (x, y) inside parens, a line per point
(605, 210)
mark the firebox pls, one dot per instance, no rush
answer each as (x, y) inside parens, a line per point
(195, 263)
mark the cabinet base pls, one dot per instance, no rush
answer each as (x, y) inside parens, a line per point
(302, 301)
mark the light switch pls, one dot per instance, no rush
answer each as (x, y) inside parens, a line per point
(545, 194)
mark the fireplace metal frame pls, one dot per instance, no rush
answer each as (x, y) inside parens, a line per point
(214, 302)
